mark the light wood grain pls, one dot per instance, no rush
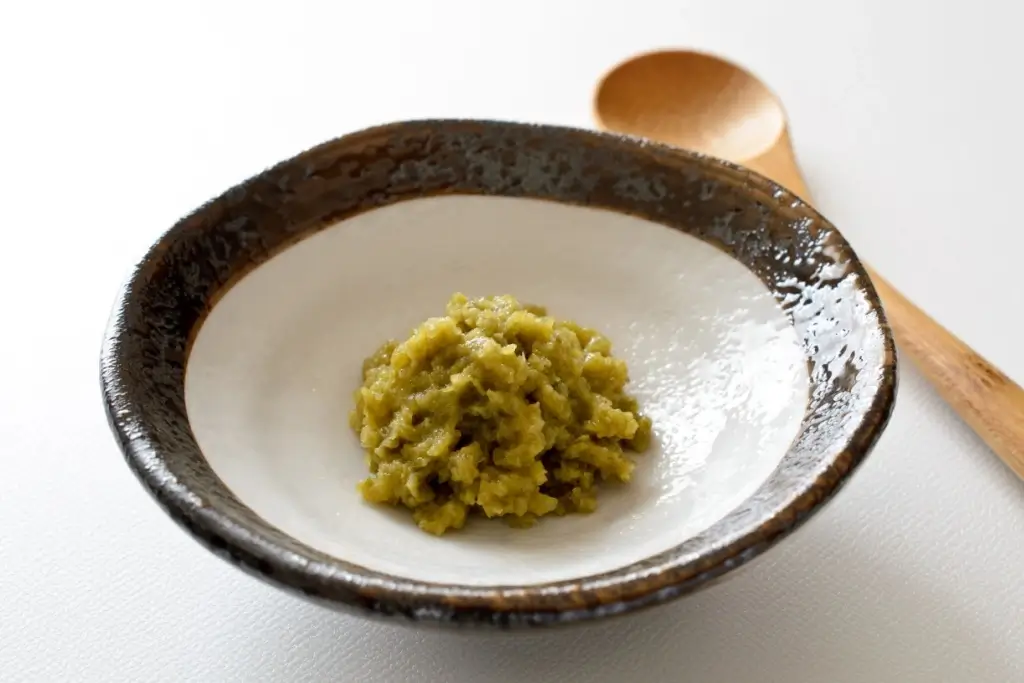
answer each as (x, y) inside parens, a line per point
(985, 398)
(700, 102)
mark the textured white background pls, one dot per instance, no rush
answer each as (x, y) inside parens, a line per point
(117, 118)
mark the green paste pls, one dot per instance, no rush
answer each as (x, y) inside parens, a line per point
(495, 408)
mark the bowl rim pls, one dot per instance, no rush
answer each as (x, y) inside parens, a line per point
(226, 531)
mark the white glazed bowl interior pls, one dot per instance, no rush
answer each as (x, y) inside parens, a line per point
(713, 359)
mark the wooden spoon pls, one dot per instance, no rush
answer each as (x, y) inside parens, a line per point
(706, 104)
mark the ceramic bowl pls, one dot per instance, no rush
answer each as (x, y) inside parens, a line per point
(754, 339)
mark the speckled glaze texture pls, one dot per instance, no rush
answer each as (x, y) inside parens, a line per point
(798, 254)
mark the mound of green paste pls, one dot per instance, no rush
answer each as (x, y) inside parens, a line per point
(499, 409)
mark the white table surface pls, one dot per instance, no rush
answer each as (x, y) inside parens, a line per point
(117, 118)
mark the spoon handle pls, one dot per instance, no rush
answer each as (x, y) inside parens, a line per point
(987, 400)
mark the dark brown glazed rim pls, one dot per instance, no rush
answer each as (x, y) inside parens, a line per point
(799, 255)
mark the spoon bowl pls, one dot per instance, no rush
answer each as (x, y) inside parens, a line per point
(692, 100)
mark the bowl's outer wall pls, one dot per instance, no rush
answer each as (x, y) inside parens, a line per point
(799, 255)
